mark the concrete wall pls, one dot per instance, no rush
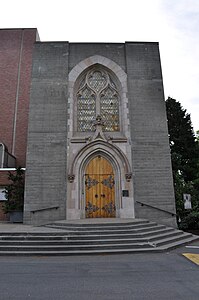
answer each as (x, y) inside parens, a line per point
(46, 155)
(152, 173)
(47, 134)
(81, 51)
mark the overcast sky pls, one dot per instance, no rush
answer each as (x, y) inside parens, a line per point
(173, 23)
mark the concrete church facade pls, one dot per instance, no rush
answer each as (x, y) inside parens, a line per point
(97, 134)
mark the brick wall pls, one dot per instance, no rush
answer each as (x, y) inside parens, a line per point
(4, 177)
(16, 46)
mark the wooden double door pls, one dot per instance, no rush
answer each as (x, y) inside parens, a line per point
(100, 189)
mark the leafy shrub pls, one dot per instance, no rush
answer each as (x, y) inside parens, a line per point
(191, 221)
(14, 192)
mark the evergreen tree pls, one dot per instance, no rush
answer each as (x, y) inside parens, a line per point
(185, 159)
(183, 144)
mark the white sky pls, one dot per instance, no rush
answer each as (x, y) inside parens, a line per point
(173, 23)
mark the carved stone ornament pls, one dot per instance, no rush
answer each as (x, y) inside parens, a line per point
(99, 129)
(71, 178)
(99, 121)
(88, 139)
(128, 176)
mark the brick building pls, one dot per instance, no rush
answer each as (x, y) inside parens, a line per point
(16, 48)
(97, 136)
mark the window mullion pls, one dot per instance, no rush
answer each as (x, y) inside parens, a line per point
(97, 104)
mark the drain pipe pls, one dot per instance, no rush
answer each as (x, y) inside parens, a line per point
(3, 153)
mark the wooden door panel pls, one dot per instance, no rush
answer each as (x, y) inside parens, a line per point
(99, 189)
(92, 196)
(108, 195)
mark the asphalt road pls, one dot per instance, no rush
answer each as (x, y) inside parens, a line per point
(112, 277)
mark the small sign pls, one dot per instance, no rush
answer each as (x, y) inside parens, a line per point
(187, 201)
(2, 195)
(125, 193)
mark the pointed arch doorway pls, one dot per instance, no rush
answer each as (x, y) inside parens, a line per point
(99, 183)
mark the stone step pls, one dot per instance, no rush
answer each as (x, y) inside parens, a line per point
(102, 223)
(101, 228)
(38, 233)
(166, 240)
(169, 246)
(64, 236)
(69, 242)
(74, 247)
(34, 237)
(176, 243)
(165, 234)
(74, 252)
(119, 235)
(155, 238)
(65, 241)
(115, 231)
(86, 240)
(149, 249)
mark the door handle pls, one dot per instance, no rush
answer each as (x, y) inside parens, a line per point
(96, 196)
(102, 195)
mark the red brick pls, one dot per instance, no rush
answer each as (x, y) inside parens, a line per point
(10, 45)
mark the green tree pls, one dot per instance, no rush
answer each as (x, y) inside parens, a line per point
(14, 192)
(183, 142)
(184, 155)
(197, 135)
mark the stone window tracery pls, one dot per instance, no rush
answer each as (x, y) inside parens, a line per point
(97, 95)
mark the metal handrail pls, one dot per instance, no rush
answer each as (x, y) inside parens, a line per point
(46, 208)
(155, 207)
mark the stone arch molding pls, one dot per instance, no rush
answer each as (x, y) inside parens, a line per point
(81, 67)
(97, 147)
(97, 59)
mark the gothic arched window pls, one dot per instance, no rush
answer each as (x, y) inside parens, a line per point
(97, 95)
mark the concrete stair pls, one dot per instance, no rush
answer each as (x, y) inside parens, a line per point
(135, 236)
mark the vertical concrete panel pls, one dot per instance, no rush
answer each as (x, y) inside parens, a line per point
(45, 194)
(152, 173)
